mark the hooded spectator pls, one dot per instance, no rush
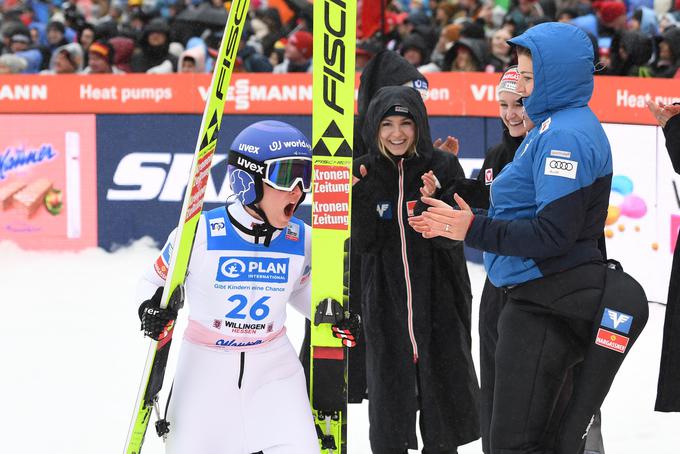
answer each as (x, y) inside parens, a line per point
(297, 54)
(192, 61)
(153, 54)
(123, 48)
(447, 37)
(12, 64)
(56, 34)
(101, 56)
(644, 19)
(467, 55)
(629, 54)
(668, 60)
(415, 51)
(67, 59)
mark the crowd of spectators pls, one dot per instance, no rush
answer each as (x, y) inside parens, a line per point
(630, 38)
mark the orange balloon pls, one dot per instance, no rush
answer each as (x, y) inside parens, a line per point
(609, 233)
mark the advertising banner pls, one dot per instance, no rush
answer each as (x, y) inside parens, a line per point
(144, 163)
(615, 100)
(48, 181)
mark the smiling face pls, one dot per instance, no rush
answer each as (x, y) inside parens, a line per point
(279, 206)
(512, 114)
(525, 68)
(397, 134)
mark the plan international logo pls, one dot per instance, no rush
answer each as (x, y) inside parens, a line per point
(252, 269)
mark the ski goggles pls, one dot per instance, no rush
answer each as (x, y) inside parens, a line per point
(286, 173)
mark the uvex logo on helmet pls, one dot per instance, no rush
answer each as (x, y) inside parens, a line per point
(247, 164)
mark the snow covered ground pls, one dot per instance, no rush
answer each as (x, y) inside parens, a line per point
(72, 355)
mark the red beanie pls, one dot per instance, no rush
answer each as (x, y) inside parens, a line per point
(302, 41)
(610, 11)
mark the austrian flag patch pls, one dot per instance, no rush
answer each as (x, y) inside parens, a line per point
(612, 341)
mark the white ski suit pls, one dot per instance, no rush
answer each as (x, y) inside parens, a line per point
(239, 386)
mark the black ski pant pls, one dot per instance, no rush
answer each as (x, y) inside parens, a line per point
(546, 328)
(491, 303)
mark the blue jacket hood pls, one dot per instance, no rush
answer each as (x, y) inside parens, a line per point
(562, 79)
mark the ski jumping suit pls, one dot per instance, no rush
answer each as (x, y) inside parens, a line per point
(540, 237)
(239, 387)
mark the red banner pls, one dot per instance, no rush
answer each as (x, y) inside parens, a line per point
(616, 99)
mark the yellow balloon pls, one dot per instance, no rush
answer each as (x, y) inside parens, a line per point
(613, 214)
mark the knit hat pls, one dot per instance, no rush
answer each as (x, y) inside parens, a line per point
(508, 81)
(609, 11)
(302, 41)
(102, 48)
(399, 111)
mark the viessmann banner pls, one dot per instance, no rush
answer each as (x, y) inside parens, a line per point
(615, 100)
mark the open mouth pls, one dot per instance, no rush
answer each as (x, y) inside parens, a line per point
(289, 209)
(397, 142)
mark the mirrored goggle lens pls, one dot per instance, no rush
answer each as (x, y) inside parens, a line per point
(286, 174)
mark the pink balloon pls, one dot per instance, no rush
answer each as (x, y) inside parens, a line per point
(633, 207)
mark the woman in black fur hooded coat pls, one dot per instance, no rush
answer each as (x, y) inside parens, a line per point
(668, 392)
(416, 297)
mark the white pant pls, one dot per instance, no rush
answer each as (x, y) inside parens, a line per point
(270, 412)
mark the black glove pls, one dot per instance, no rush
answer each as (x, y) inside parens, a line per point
(348, 329)
(157, 322)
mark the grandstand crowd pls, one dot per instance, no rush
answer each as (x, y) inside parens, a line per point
(630, 38)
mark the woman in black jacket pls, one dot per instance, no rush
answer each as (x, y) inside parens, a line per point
(416, 293)
(668, 392)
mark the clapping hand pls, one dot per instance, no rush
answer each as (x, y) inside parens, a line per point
(430, 184)
(450, 144)
(441, 219)
(662, 112)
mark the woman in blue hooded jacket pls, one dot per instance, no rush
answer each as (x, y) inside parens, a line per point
(548, 207)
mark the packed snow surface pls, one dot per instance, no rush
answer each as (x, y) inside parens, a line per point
(72, 357)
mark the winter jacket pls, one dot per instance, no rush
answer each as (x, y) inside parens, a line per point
(416, 298)
(476, 191)
(668, 392)
(253, 61)
(147, 57)
(123, 49)
(387, 68)
(548, 206)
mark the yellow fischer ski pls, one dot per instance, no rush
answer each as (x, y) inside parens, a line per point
(332, 139)
(157, 357)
